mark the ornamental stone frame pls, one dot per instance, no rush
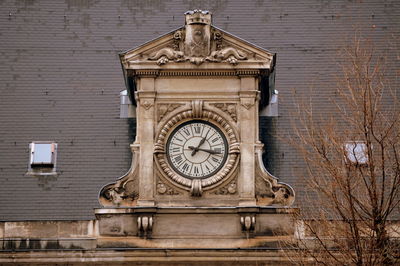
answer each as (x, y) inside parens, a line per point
(201, 73)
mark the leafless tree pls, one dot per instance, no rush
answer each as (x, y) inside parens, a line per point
(353, 165)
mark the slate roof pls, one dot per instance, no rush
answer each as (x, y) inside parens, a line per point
(60, 79)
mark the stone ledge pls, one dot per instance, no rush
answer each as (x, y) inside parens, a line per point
(206, 257)
(255, 209)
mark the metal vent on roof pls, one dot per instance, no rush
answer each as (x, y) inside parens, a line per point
(127, 109)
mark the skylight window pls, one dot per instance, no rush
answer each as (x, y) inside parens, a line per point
(43, 156)
(42, 153)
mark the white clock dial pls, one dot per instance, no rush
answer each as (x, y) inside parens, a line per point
(197, 149)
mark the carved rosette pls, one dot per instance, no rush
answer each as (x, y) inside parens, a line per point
(197, 186)
(164, 189)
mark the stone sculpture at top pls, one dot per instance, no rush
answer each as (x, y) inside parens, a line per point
(198, 42)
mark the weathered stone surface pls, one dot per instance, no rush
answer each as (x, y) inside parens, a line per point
(275, 225)
(37, 229)
(196, 225)
(118, 225)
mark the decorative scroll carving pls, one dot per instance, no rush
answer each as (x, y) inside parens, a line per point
(230, 54)
(164, 189)
(164, 55)
(196, 187)
(163, 109)
(198, 43)
(125, 191)
(229, 108)
(268, 190)
(229, 189)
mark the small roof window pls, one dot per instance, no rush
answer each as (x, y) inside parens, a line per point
(42, 153)
(42, 159)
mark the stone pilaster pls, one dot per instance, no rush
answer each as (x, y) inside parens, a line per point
(145, 121)
(248, 131)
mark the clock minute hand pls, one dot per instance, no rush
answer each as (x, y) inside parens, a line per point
(205, 150)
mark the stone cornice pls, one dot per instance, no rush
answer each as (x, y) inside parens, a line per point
(196, 73)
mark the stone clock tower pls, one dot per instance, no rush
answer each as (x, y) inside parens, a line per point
(197, 179)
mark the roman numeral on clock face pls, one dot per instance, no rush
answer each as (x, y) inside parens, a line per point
(178, 159)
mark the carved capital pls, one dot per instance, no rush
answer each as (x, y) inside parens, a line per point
(248, 98)
(247, 103)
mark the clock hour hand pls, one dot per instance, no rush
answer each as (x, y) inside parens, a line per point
(205, 150)
(198, 146)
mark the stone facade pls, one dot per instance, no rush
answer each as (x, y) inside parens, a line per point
(61, 80)
(196, 73)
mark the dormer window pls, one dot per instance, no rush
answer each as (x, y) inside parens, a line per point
(42, 158)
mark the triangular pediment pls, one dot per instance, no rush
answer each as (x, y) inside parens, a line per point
(216, 49)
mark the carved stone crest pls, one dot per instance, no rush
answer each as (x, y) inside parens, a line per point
(198, 43)
(197, 33)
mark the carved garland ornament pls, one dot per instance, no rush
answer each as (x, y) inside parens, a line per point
(196, 186)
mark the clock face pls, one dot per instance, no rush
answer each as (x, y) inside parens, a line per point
(197, 149)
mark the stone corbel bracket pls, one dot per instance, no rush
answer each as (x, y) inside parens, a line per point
(248, 223)
(123, 192)
(276, 193)
(145, 225)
